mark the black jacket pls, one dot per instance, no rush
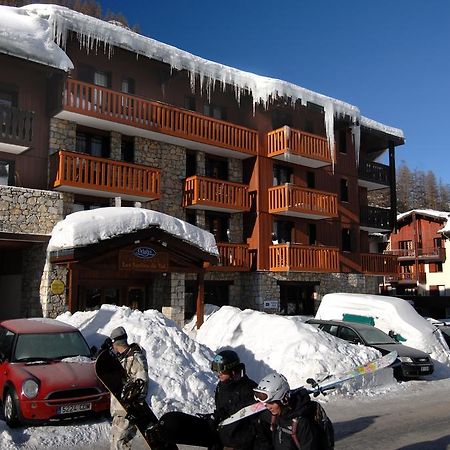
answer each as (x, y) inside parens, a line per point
(230, 397)
(307, 432)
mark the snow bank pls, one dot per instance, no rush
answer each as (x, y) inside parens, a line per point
(390, 313)
(178, 367)
(89, 227)
(287, 345)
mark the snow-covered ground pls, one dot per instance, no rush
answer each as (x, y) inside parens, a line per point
(179, 364)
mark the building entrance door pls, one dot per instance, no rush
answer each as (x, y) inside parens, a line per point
(297, 299)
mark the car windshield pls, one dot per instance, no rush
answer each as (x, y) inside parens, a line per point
(374, 336)
(50, 346)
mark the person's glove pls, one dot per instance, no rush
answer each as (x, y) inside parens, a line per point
(107, 344)
(210, 420)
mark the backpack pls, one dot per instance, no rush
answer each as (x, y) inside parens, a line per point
(324, 424)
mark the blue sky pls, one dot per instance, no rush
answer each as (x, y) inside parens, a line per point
(391, 58)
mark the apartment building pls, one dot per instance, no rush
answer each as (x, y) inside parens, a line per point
(421, 244)
(277, 173)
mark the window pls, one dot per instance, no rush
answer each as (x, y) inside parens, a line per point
(6, 342)
(191, 217)
(312, 234)
(191, 164)
(7, 173)
(128, 86)
(8, 96)
(102, 78)
(281, 175)
(346, 240)
(348, 335)
(311, 180)
(93, 144)
(328, 328)
(218, 225)
(437, 243)
(189, 103)
(216, 111)
(344, 190)
(343, 141)
(435, 267)
(315, 107)
(282, 231)
(216, 168)
(127, 149)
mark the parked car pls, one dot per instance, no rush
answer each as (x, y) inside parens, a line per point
(47, 372)
(413, 362)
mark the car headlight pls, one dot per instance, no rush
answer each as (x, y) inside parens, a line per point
(30, 388)
(405, 359)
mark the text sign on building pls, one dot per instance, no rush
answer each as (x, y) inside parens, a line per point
(144, 259)
(272, 305)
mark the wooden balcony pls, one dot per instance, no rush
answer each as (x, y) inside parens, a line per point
(374, 219)
(102, 108)
(298, 147)
(102, 177)
(373, 175)
(294, 201)
(378, 264)
(408, 278)
(432, 254)
(302, 258)
(215, 195)
(232, 258)
(16, 129)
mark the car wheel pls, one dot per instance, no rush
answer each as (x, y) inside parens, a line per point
(11, 409)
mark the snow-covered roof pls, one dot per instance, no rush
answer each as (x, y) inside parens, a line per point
(89, 227)
(425, 212)
(94, 34)
(28, 36)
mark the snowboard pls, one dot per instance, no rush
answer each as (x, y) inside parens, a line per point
(114, 377)
(315, 388)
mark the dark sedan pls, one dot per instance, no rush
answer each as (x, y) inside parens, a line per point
(414, 363)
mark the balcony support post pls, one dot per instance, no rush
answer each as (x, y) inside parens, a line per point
(392, 186)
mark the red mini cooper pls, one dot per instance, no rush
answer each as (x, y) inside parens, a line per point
(46, 372)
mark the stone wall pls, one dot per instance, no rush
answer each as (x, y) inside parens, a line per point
(63, 135)
(31, 211)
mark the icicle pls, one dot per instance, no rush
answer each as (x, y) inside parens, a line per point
(356, 136)
(329, 127)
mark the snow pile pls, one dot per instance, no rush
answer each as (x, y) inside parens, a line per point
(28, 36)
(178, 367)
(267, 343)
(390, 313)
(91, 226)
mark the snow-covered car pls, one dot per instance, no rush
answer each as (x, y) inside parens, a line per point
(47, 372)
(413, 363)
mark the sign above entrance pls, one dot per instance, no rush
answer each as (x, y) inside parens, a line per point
(143, 259)
(144, 252)
(57, 287)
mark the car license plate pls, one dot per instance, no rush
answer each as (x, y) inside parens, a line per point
(78, 407)
(424, 369)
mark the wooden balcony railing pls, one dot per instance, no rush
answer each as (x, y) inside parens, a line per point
(299, 143)
(378, 264)
(301, 258)
(214, 194)
(431, 253)
(78, 171)
(296, 201)
(406, 278)
(374, 173)
(96, 101)
(232, 258)
(375, 218)
(16, 126)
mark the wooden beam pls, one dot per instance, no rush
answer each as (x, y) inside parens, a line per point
(200, 298)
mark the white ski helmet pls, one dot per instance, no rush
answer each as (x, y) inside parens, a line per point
(272, 388)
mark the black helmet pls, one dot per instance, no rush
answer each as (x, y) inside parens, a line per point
(225, 360)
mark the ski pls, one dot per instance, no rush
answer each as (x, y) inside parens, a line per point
(315, 388)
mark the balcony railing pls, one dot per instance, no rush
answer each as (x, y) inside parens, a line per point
(301, 258)
(291, 200)
(378, 264)
(373, 175)
(431, 253)
(159, 118)
(16, 129)
(81, 173)
(215, 195)
(298, 147)
(375, 219)
(232, 258)
(408, 278)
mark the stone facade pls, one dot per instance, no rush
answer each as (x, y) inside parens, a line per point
(63, 135)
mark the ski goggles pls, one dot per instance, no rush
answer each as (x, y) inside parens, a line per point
(261, 396)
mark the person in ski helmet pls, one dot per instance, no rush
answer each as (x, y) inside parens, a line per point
(234, 390)
(134, 362)
(290, 415)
